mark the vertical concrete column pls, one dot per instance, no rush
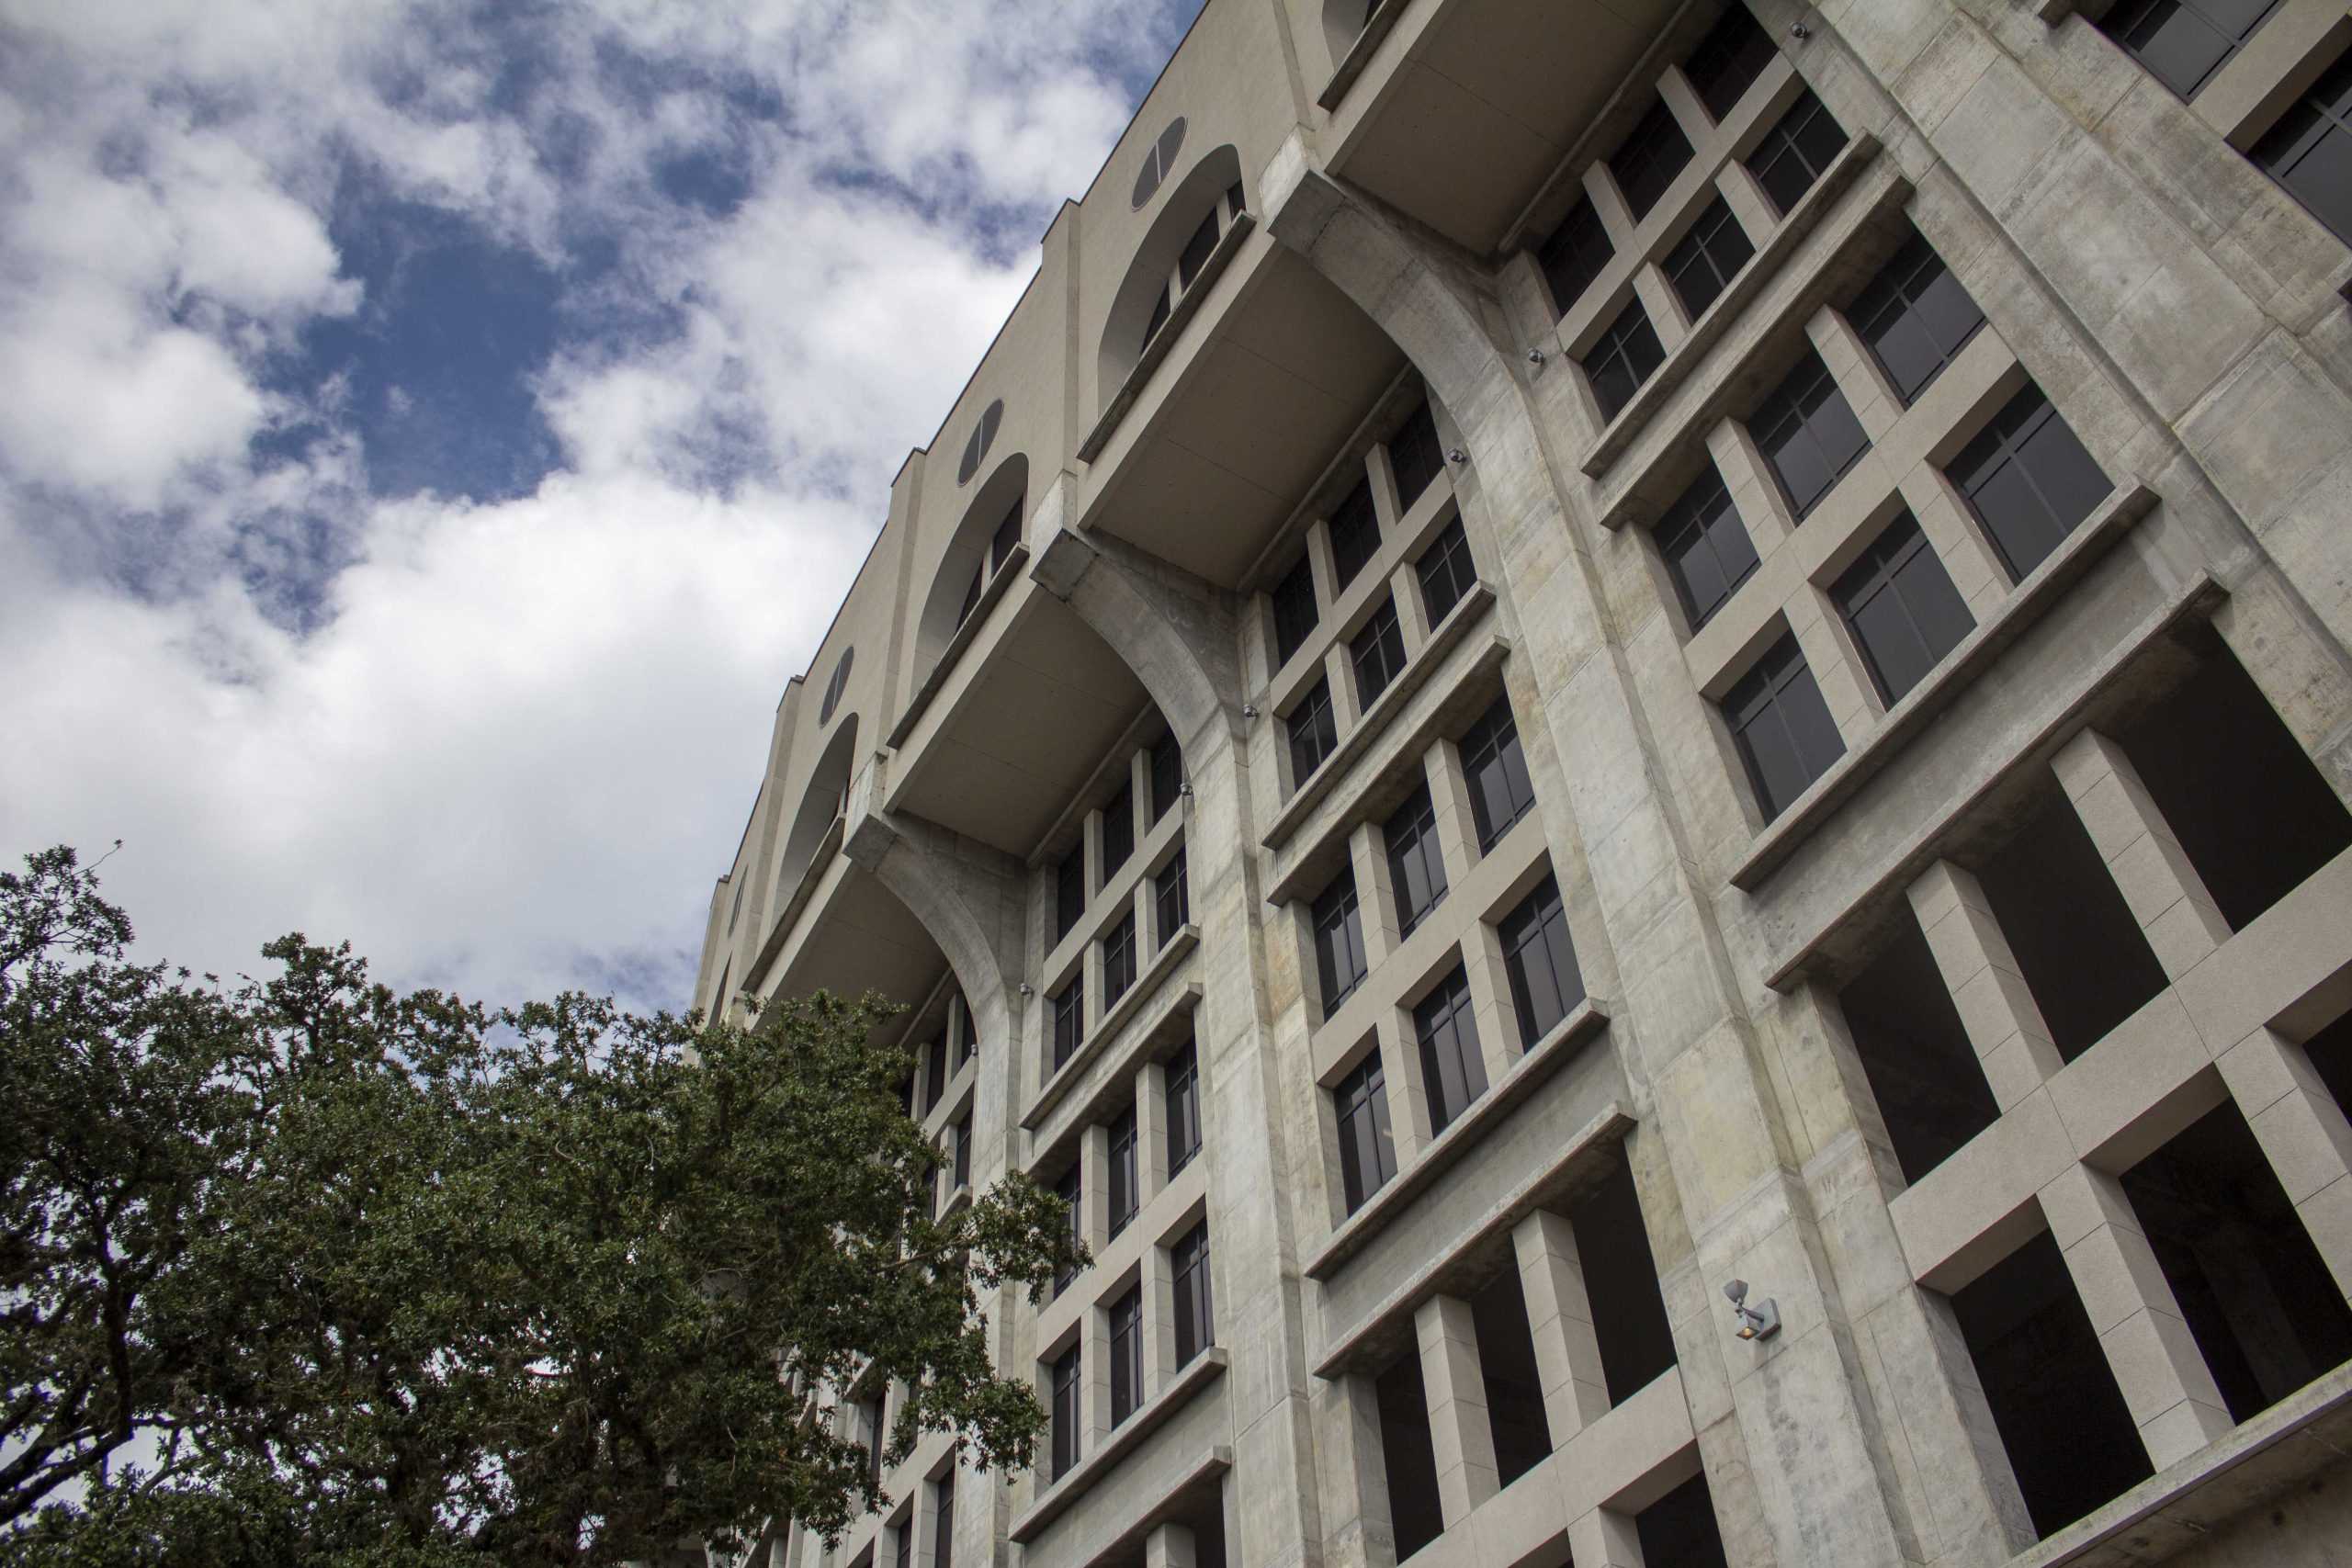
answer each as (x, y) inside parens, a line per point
(1159, 1286)
(1320, 567)
(1490, 1004)
(1603, 1537)
(1460, 1431)
(1747, 202)
(1755, 493)
(1609, 206)
(1857, 373)
(1847, 689)
(1958, 540)
(1382, 476)
(1094, 1379)
(1411, 1123)
(1662, 305)
(1151, 1131)
(1168, 1546)
(2150, 868)
(2163, 1375)
(2303, 1136)
(1997, 1007)
(1559, 1317)
(1404, 588)
(1375, 897)
(1457, 830)
(1094, 1186)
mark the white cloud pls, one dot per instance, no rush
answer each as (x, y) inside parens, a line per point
(504, 745)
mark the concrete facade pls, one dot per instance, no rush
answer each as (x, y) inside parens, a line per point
(2006, 1050)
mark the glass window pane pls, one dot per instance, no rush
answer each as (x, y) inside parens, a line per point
(1295, 613)
(1356, 534)
(1575, 253)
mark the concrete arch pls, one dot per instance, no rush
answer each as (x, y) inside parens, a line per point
(820, 802)
(965, 566)
(968, 899)
(1181, 212)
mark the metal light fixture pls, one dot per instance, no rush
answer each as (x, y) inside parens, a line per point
(1799, 32)
(1535, 356)
(1248, 710)
(1028, 989)
(1456, 455)
(1758, 1322)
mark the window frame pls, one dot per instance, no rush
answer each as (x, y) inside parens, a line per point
(2127, 14)
(1180, 1091)
(1774, 677)
(1539, 923)
(1894, 296)
(1697, 519)
(2011, 444)
(1441, 562)
(1650, 159)
(1359, 1105)
(1313, 729)
(1786, 138)
(1699, 246)
(1790, 420)
(1122, 959)
(2286, 142)
(1900, 563)
(1627, 352)
(1194, 1291)
(1353, 529)
(1336, 915)
(1293, 589)
(1445, 1027)
(1476, 741)
(1725, 56)
(1172, 914)
(1125, 1343)
(1122, 1180)
(1068, 1020)
(1573, 254)
(1409, 840)
(1376, 653)
(1063, 1410)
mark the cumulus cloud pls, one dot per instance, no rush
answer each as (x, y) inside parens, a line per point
(501, 743)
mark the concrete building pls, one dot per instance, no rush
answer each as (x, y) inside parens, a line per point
(1575, 650)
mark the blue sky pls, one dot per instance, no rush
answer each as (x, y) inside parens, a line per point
(437, 429)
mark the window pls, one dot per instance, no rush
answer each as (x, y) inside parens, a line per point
(1191, 260)
(2310, 150)
(1807, 431)
(1646, 163)
(1124, 1194)
(1781, 726)
(1294, 612)
(1355, 535)
(1795, 151)
(1451, 1073)
(1064, 1380)
(1574, 256)
(1067, 1190)
(1119, 960)
(1007, 534)
(962, 1130)
(1367, 1153)
(972, 590)
(1126, 1355)
(1415, 457)
(1167, 776)
(1416, 868)
(1196, 253)
(1070, 892)
(836, 686)
(1497, 770)
(1118, 834)
(1195, 1311)
(904, 1532)
(943, 1554)
(1729, 59)
(2029, 479)
(1622, 359)
(1706, 546)
(976, 446)
(1378, 653)
(1070, 1016)
(1915, 317)
(1313, 733)
(1540, 962)
(1702, 265)
(1447, 572)
(870, 1436)
(1902, 606)
(1339, 941)
(2182, 43)
(1158, 162)
(1183, 1080)
(1171, 899)
(935, 1074)
(967, 1031)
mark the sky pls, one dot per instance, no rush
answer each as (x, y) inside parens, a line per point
(431, 433)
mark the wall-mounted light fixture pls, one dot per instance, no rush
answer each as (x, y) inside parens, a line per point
(1535, 356)
(1456, 455)
(1799, 32)
(1758, 1322)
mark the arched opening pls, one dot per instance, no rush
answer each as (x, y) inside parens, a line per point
(821, 807)
(1343, 23)
(983, 542)
(1197, 213)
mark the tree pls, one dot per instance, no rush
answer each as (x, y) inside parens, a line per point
(395, 1279)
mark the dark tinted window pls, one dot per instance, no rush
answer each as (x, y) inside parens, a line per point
(1195, 1309)
(1807, 431)
(1415, 456)
(1378, 654)
(1500, 793)
(1355, 535)
(1069, 1018)
(1118, 833)
(1124, 1194)
(1126, 1355)
(1008, 534)
(1546, 984)
(962, 1130)
(1294, 612)
(1575, 253)
(1451, 1072)
(1367, 1153)
(1732, 55)
(1067, 1189)
(1782, 728)
(1706, 546)
(1339, 941)
(1313, 732)
(971, 600)
(1070, 892)
(1416, 869)
(1447, 572)
(1196, 251)
(1064, 1378)
(1708, 257)
(1167, 776)
(1184, 1078)
(1118, 960)
(944, 1532)
(934, 1074)
(1622, 359)
(1171, 899)
(1159, 311)
(2310, 150)
(967, 1031)
(1648, 160)
(1796, 150)
(1915, 317)
(2183, 42)
(2029, 479)
(1902, 606)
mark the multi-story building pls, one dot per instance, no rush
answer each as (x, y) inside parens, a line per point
(1577, 656)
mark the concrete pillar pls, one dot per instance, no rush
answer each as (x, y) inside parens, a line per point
(1094, 1186)
(1559, 1318)
(2165, 1383)
(1748, 201)
(1376, 899)
(1958, 539)
(1151, 1131)
(1168, 1546)
(2152, 872)
(1857, 372)
(1093, 1380)
(1461, 1432)
(2303, 1136)
(1603, 1537)
(1847, 688)
(1662, 305)
(1490, 1005)
(1159, 1286)
(1997, 1009)
(1755, 492)
(1412, 622)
